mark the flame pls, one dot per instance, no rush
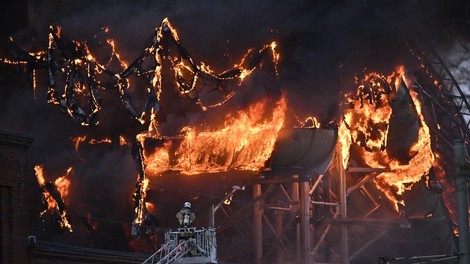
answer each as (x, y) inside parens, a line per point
(123, 141)
(345, 140)
(79, 140)
(139, 210)
(310, 122)
(95, 141)
(62, 184)
(115, 53)
(367, 123)
(245, 143)
(228, 201)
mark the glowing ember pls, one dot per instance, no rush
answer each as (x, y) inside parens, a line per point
(244, 143)
(368, 123)
(77, 141)
(55, 195)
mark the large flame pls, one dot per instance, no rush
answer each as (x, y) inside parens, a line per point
(367, 122)
(62, 185)
(244, 143)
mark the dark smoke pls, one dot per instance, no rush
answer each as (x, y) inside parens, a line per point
(322, 44)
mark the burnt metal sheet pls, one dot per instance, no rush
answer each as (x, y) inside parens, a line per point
(309, 150)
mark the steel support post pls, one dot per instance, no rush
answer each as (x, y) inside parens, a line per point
(462, 202)
(278, 225)
(305, 223)
(257, 225)
(343, 213)
(295, 197)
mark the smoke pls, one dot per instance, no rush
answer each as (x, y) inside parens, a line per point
(322, 44)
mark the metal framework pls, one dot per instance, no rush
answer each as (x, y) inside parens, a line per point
(282, 205)
(446, 108)
(279, 204)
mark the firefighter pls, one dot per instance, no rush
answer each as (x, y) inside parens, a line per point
(185, 216)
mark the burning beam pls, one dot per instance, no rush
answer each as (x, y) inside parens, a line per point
(54, 195)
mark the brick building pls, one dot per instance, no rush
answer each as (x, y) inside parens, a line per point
(14, 196)
(16, 244)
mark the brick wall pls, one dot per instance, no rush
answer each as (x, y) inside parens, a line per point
(14, 199)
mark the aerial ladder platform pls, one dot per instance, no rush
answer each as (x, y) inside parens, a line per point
(186, 245)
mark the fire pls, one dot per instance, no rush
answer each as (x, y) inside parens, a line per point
(123, 141)
(76, 76)
(95, 141)
(244, 143)
(139, 210)
(79, 140)
(345, 141)
(310, 122)
(55, 204)
(367, 123)
(114, 52)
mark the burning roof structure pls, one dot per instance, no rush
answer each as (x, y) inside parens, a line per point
(75, 77)
(337, 191)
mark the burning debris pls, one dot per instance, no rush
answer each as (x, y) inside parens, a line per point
(76, 75)
(78, 141)
(54, 195)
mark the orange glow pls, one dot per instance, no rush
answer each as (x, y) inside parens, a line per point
(310, 122)
(95, 141)
(77, 141)
(244, 143)
(344, 138)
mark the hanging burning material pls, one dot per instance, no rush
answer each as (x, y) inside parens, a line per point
(367, 124)
(53, 196)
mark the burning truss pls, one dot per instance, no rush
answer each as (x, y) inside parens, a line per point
(75, 77)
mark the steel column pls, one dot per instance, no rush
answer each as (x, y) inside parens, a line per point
(462, 202)
(342, 208)
(257, 225)
(295, 197)
(305, 223)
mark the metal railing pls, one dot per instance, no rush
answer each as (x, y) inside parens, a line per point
(186, 245)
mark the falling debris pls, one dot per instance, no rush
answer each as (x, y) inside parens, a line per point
(54, 196)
